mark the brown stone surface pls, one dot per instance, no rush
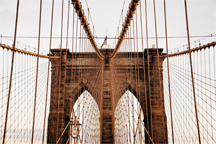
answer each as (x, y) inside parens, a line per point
(78, 71)
(107, 135)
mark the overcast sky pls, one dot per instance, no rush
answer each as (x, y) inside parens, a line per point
(105, 15)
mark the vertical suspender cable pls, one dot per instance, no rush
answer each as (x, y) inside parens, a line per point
(65, 54)
(144, 67)
(65, 72)
(11, 74)
(71, 79)
(72, 62)
(36, 84)
(60, 70)
(3, 65)
(131, 81)
(131, 74)
(138, 83)
(159, 76)
(48, 69)
(149, 80)
(194, 94)
(168, 70)
(68, 24)
(136, 69)
(128, 86)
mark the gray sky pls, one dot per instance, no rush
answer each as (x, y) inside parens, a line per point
(106, 15)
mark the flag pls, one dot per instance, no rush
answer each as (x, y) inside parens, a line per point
(104, 42)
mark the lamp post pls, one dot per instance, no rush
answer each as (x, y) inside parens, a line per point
(75, 127)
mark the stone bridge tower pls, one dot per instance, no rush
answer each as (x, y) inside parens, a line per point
(72, 84)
